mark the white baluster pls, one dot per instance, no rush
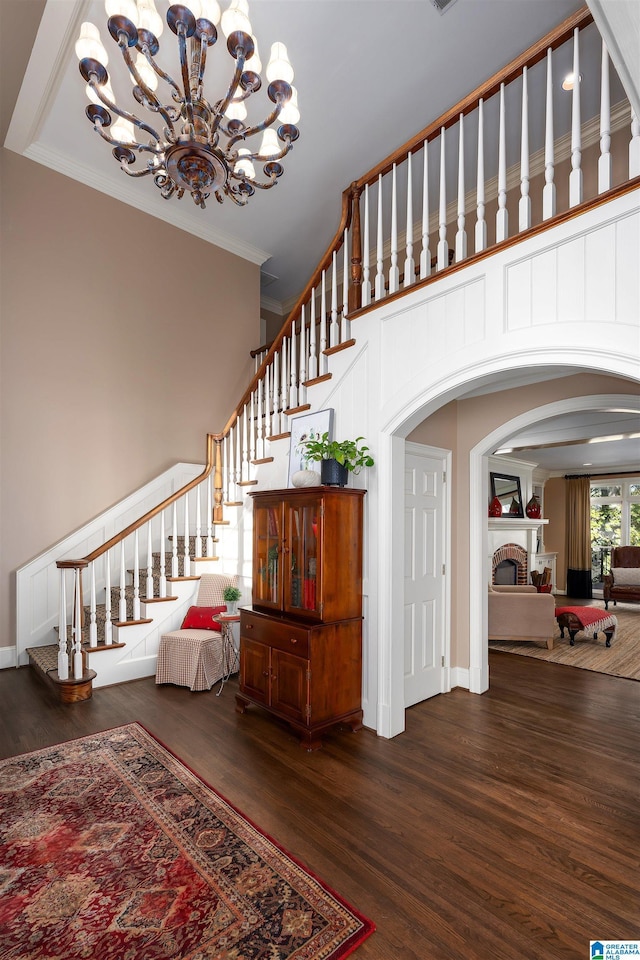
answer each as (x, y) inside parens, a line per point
(93, 625)
(334, 333)
(313, 350)
(461, 235)
(246, 473)
(409, 263)
(604, 160)
(302, 354)
(186, 556)
(136, 578)
(259, 421)
(394, 272)
(345, 333)
(108, 625)
(78, 670)
(231, 496)
(425, 253)
(268, 403)
(366, 272)
(174, 542)
(379, 284)
(276, 382)
(284, 370)
(63, 656)
(198, 544)
(293, 372)
(481, 223)
(324, 334)
(122, 607)
(162, 591)
(575, 177)
(443, 248)
(549, 191)
(253, 427)
(210, 552)
(238, 477)
(149, 590)
(634, 147)
(524, 207)
(502, 217)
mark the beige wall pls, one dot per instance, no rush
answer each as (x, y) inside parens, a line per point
(110, 370)
(462, 424)
(273, 324)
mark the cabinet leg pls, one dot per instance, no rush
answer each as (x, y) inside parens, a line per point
(241, 704)
(355, 723)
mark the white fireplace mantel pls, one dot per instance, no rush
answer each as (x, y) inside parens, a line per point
(519, 530)
(514, 523)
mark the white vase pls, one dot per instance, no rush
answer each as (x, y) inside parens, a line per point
(306, 478)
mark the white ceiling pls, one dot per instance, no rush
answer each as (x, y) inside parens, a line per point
(370, 74)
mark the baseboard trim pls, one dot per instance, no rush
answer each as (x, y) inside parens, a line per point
(7, 657)
(460, 677)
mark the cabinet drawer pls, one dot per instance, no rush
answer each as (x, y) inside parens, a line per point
(283, 636)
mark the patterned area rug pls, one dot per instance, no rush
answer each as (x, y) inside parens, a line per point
(622, 659)
(111, 849)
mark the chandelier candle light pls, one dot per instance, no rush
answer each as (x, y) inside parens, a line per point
(201, 147)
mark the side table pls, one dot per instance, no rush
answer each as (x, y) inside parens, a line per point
(230, 659)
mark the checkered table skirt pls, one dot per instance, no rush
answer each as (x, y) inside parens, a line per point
(191, 658)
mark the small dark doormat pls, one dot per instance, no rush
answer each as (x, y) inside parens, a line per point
(110, 848)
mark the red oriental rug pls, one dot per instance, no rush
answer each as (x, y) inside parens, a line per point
(111, 849)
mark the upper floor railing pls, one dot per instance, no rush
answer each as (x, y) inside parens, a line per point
(398, 230)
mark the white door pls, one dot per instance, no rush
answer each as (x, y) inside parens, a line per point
(425, 618)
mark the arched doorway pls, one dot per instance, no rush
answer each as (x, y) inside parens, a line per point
(474, 673)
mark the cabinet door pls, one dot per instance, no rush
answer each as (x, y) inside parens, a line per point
(290, 685)
(255, 669)
(302, 560)
(267, 555)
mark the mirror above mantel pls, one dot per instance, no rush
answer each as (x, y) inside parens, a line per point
(506, 487)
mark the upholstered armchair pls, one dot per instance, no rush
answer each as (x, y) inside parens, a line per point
(521, 613)
(623, 583)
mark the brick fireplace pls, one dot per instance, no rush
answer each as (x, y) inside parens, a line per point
(517, 556)
(513, 540)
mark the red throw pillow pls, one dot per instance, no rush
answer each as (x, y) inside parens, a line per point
(201, 618)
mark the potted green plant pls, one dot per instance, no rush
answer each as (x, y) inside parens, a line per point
(337, 458)
(231, 595)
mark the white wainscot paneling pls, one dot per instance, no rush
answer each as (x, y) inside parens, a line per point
(627, 281)
(600, 274)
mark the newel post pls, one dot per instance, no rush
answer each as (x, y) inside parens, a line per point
(355, 288)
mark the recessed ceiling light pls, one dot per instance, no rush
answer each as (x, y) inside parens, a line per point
(587, 464)
(569, 80)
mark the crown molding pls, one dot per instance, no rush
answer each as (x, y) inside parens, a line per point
(123, 189)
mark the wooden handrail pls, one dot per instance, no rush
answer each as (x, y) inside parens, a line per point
(536, 52)
(335, 244)
(213, 460)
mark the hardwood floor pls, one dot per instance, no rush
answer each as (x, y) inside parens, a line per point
(498, 827)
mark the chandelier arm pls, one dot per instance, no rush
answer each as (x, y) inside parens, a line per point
(137, 173)
(250, 131)
(134, 147)
(148, 92)
(162, 73)
(184, 66)
(222, 105)
(202, 65)
(276, 156)
(131, 117)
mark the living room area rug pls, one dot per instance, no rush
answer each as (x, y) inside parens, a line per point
(621, 659)
(112, 849)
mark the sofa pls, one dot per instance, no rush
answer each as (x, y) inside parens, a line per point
(521, 613)
(623, 583)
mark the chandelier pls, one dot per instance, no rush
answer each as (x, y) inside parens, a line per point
(189, 143)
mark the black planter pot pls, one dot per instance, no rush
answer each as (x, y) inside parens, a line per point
(333, 474)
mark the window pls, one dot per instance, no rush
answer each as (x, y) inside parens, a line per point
(615, 521)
